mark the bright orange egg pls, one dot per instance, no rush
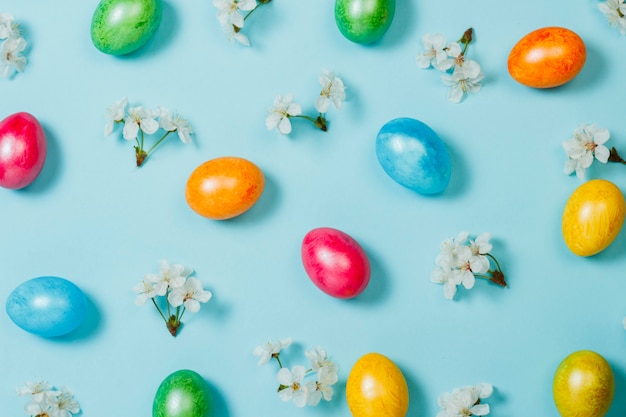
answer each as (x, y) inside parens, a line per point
(224, 187)
(377, 388)
(547, 57)
(593, 217)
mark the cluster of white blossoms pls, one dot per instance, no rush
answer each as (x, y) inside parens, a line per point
(333, 91)
(177, 288)
(231, 19)
(586, 144)
(615, 12)
(47, 401)
(465, 402)
(139, 121)
(12, 47)
(305, 386)
(461, 260)
(461, 74)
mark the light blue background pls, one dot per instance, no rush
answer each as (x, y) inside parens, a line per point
(93, 218)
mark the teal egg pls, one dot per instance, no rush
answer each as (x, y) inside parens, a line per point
(119, 27)
(364, 21)
(183, 393)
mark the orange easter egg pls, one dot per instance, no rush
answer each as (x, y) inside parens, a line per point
(547, 57)
(224, 187)
(377, 388)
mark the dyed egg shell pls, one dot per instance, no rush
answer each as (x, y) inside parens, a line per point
(224, 187)
(47, 306)
(583, 385)
(377, 388)
(547, 57)
(183, 393)
(413, 155)
(364, 21)
(119, 27)
(335, 262)
(593, 217)
(22, 150)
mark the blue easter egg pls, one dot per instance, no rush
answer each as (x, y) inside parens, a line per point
(47, 306)
(413, 155)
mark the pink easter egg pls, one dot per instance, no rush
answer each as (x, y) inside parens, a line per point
(335, 262)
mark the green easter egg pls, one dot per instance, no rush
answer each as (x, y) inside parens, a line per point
(183, 393)
(364, 21)
(120, 27)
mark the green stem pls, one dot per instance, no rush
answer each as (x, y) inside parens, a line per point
(319, 122)
(181, 314)
(275, 356)
(261, 3)
(158, 142)
(159, 310)
(495, 260)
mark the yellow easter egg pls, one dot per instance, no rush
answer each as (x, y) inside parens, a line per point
(377, 388)
(593, 217)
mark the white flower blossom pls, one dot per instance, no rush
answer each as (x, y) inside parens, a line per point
(464, 402)
(191, 294)
(269, 349)
(292, 383)
(35, 389)
(11, 58)
(175, 123)
(465, 79)
(435, 53)
(448, 278)
(318, 359)
(333, 90)
(615, 12)
(8, 28)
(322, 387)
(64, 404)
(228, 11)
(137, 119)
(587, 143)
(278, 117)
(115, 114)
(146, 289)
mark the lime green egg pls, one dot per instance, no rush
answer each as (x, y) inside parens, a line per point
(183, 393)
(119, 27)
(364, 21)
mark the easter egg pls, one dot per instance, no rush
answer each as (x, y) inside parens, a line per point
(22, 150)
(547, 57)
(364, 21)
(593, 217)
(583, 385)
(119, 27)
(183, 393)
(224, 187)
(335, 262)
(47, 306)
(376, 388)
(413, 155)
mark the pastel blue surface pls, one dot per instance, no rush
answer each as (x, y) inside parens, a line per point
(413, 155)
(47, 306)
(95, 219)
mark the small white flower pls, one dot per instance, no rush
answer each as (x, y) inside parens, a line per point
(333, 90)
(463, 402)
(615, 12)
(233, 33)
(292, 381)
(63, 404)
(35, 389)
(464, 79)
(176, 123)
(449, 250)
(228, 11)
(147, 289)
(481, 245)
(139, 118)
(449, 278)
(8, 29)
(173, 276)
(270, 348)
(278, 117)
(587, 143)
(115, 114)
(435, 53)
(11, 57)
(318, 359)
(322, 388)
(191, 294)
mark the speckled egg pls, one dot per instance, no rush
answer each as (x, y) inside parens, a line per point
(183, 393)
(414, 156)
(377, 388)
(119, 27)
(364, 21)
(593, 217)
(547, 57)
(225, 187)
(47, 306)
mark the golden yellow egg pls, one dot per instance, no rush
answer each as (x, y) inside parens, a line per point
(377, 388)
(593, 217)
(583, 385)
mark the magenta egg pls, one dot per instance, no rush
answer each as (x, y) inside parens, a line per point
(335, 262)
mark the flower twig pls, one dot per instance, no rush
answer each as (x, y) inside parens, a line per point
(232, 20)
(13, 45)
